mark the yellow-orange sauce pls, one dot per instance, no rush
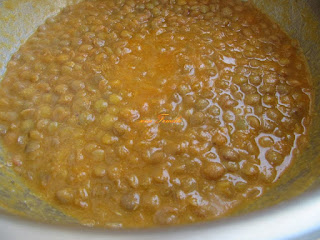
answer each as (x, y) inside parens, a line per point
(139, 113)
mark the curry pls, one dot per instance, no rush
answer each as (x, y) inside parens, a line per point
(142, 113)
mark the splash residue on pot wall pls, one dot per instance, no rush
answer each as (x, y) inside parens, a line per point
(19, 19)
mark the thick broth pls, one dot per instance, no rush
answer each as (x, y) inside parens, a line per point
(138, 113)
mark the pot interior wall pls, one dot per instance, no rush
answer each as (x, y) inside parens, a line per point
(20, 18)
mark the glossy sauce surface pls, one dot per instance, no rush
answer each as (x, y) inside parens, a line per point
(139, 113)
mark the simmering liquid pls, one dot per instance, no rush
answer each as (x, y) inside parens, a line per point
(130, 113)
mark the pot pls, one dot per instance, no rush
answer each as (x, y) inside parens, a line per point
(290, 210)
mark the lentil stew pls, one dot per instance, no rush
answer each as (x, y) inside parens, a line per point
(139, 113)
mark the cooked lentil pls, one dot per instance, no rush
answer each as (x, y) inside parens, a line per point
(80, 102)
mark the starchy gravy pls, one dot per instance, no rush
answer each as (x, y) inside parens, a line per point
(130, 113)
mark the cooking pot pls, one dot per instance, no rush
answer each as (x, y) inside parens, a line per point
(290, 210)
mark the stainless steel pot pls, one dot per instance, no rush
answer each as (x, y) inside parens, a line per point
(290, 210)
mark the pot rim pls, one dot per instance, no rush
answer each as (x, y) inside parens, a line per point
(290, 219)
